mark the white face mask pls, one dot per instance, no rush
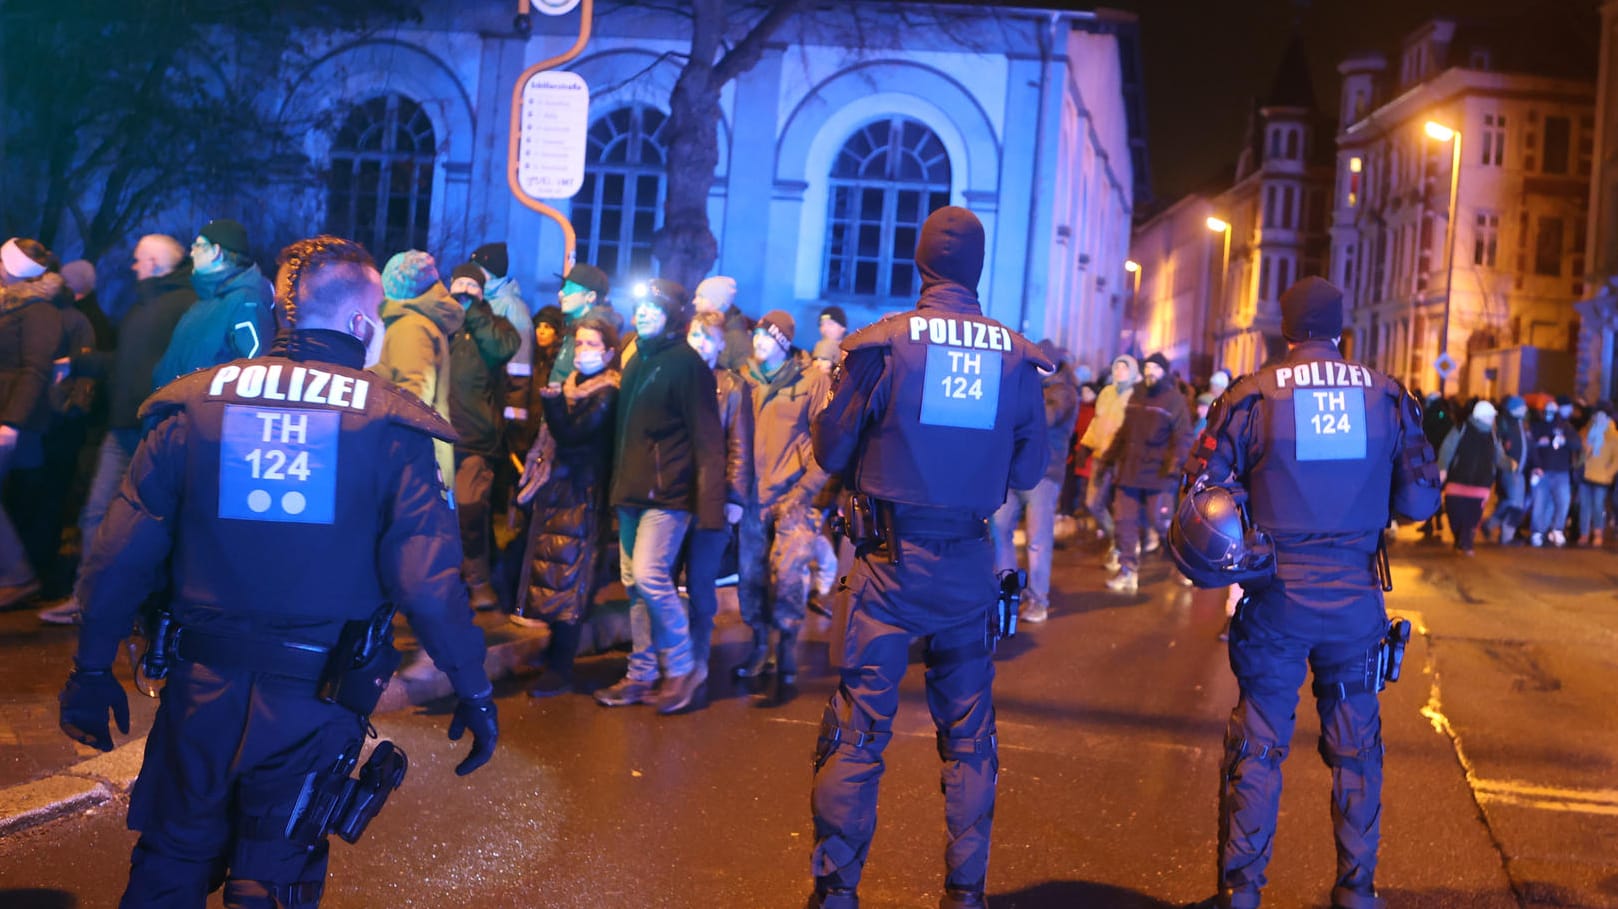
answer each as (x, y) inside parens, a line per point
(590, 362)
(368, 333)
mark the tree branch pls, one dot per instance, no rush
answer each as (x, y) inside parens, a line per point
(747, 51)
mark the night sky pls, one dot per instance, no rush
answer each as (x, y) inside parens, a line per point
(1204, 60)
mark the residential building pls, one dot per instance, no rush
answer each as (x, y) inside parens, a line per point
(1597, 365)
(1496, 292)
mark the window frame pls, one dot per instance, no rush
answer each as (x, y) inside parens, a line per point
(378, 169)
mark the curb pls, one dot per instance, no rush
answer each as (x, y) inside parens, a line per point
(102, 778)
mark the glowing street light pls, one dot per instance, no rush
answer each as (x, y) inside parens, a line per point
(1218, 225)
(1131, 266)
(1442, 133)
(1439, 131)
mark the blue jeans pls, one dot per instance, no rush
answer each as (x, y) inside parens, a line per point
(117, 449)
(1040, 504)
(1099, 497)
(1513, 501)
(649, 543)
(15, 569)
(1552, 496)
(701, 570)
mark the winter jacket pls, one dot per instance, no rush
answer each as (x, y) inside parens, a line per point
(1082, 460)
(563, 549)
(562, 366)
(1110, 406)
(233, 318)
(736, 416)
(738, 349)
(1556, 445)
(30, 332)
(1601, 457)
(1154, 439)
(71, 396)
(1436, 421)
(784, 408)
(1471, 456)
(1513, 436)
(416, 357)
(505, 299)
(478, 354)
(142, 337)
(669, 451)
(1061, 409)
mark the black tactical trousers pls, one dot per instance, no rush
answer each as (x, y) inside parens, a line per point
(1271, 648)
(941, 590)
(224, 763)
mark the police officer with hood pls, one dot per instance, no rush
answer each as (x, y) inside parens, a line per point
(1323, 451)
(301, 459)
(935, 412)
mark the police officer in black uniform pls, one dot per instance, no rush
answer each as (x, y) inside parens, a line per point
(277, 499)
(1324, 450)
(934, 413)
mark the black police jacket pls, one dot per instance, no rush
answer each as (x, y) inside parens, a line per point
(939, 406)
(290, 494)
(1322, 446)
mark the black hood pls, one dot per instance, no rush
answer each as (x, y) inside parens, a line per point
(951, 249)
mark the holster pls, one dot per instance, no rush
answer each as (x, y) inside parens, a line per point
(863, 524)
(1003, 618)
(331, 801)
(1391, 655)
(359, 667)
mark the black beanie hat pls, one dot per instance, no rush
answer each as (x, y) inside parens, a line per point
(492, 256)
(1161, 361)
(836, 314)
(951, 248)
(466, 270)
(552, 316)
(227, 234)
(1311, 309)
(672, 298)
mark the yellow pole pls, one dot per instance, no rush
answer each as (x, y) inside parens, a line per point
(569, 236)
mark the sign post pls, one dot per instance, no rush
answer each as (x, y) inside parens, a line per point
(549, 125)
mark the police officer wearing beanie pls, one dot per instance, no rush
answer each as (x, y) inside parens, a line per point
(304, 460)
(1324, 450)
(935, 412)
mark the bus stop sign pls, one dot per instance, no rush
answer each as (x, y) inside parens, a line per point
(553, 135)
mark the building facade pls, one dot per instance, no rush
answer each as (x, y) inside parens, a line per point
(832, 151)
(1597, 365)
(1496, 292)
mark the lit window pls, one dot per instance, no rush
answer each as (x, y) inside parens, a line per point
(379, 189)
(889, 176)
(619, 204)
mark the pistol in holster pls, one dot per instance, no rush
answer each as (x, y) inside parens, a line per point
(864, 524)
(1390, 656)
(156, 624)
(332, 801)
(1003, 617)
(358, 670)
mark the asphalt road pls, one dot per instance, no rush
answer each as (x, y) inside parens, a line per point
(1501, 786)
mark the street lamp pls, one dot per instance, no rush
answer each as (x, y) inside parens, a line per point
(1221, 226)
(1133, 267)
(1442, 133)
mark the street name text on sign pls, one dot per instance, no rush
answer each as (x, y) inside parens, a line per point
(554, 134)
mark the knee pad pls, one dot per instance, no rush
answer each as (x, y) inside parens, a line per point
(1239, 748)
(1368, 757)
(972, 750)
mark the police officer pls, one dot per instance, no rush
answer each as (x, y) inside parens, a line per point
(935, 412)
(1324, 449)
(287, 495)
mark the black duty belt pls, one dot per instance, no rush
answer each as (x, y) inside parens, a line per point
(918, 522)
(293, 659)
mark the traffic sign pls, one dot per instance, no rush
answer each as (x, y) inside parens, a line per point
(556, 7)
(1445, 364)
(553, 134)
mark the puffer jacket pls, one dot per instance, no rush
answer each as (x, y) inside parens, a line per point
(478, 352)
(736, 417)
(1154, 439)
(784, 409)
(569, 513)
(233, 318)
(1109, 416)
(1601, 455)
(415, 354)
(30, 333)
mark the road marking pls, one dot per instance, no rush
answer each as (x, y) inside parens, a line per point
(1549, 798)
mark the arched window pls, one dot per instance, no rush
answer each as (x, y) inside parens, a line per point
(620, 204)
(890, 175)
(380, 188)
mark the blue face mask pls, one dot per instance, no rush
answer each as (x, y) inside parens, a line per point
(590, 362)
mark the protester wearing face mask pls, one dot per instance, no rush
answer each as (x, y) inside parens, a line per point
(479, 352)
(1556, 448)
(779, 524)
(707, 338)
(1468, 462)
(564, 487)
(668, 474)
(1511, 428)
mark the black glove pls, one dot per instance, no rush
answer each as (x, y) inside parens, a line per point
(85, 700)
(477, 714)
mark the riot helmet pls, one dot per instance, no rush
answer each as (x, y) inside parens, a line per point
(1212, 543)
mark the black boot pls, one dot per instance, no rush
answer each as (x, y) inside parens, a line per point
(758, 660)
(559, 653)
(786, 657)
(833, 898)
